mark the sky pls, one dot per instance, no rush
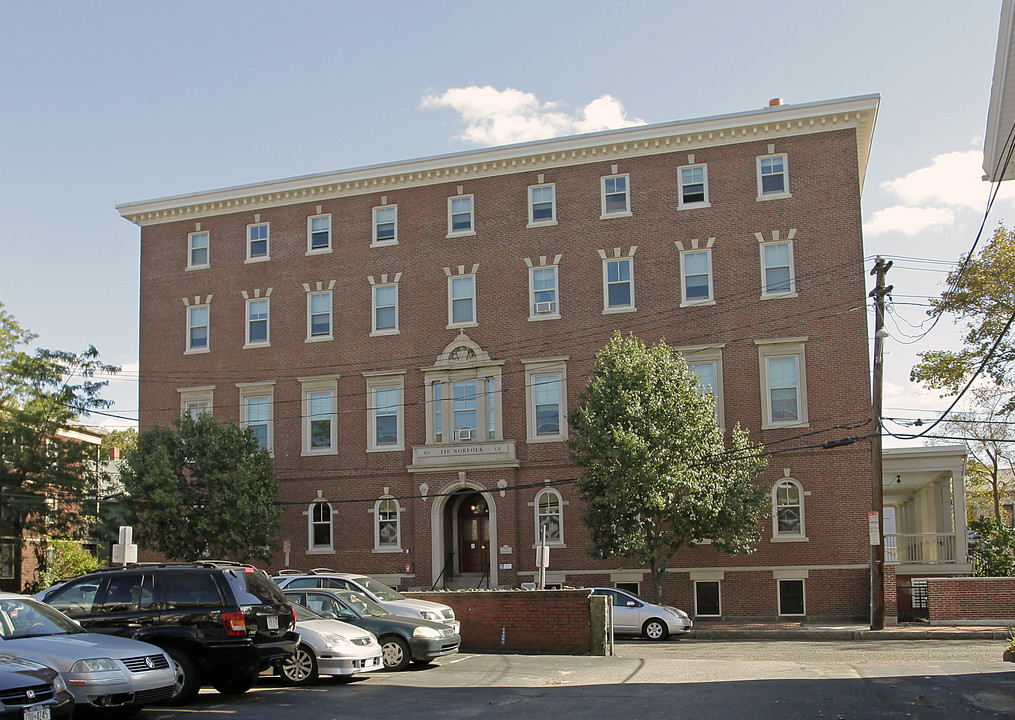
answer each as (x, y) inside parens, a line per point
(103, 103)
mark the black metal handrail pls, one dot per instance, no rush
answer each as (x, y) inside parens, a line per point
(486, 574)
(444, 569)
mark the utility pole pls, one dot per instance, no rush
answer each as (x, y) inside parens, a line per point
(877, 533)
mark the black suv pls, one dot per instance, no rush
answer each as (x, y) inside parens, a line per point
(221, 622)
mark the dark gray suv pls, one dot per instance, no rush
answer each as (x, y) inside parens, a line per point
(222, 623)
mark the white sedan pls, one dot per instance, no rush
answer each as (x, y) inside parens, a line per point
(634, 616)
(328, 647)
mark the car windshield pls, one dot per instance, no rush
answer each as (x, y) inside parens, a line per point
(254, 588)
(24, 617)
(303, 614)
(363, 605)
(379, 589)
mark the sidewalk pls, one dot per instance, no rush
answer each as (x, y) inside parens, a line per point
(844, 631)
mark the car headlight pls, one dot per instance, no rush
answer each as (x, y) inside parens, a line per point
(334, 639)
(678, 612)
(95, 665)
(59, 686)
(426, 632)
(427, 615)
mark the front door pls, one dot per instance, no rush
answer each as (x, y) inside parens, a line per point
(473, 534)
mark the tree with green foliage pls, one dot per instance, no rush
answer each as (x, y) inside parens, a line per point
(981, 291)
(202, 489)
(124, 440)
(992, 552)
(46, 473)
(655, 472)
(67, 559)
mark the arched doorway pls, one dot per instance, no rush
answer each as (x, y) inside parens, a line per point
(473, 519)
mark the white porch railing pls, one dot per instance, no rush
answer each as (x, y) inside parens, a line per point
(920, 548)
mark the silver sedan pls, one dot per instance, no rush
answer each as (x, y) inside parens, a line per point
(329, 647)
(102, 671)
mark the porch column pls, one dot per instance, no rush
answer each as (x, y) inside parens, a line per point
(959, 505)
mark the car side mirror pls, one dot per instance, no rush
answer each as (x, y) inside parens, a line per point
(632, 603)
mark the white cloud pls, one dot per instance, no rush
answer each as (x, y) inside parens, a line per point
(499, 117)
(952, 179)
(908, 220)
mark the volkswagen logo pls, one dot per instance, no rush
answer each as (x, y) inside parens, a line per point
(150, 663)
(30, 694)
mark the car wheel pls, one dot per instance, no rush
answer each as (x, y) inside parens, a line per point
(655, 629)
(395, 653)
(188, 680)
(300, 668)
(234, 684)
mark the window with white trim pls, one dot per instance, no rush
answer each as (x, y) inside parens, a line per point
(707, 598)
(542, 204)
(385, 309)
(692, 184)
(546, 399)
(385, 225)
(385, 416)
(197, 328)
(197, 250)
(618, 284)
(322, 527)
(783, 383)
(387, 528)
(773, 178)
(257, 411)
(461, 218)
(461, 300)
(318, 233)
(320, 415)
(466, 409)
(777, 276)
(696, 276)
(615, 196)
(791, 597)
(706, 364)
(195, 401)
(257, 242)
(543, 300)
(549, 516)
(788, 509)
(258, 312)
(319, 313)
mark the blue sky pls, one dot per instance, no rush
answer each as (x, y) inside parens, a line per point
(109, 102)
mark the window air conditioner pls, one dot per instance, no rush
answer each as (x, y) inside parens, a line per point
(463, 434)
(544, 307)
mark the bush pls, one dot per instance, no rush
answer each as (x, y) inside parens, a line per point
(991, 553)
(66, 559)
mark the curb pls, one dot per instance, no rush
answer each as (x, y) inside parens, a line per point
(845, 634)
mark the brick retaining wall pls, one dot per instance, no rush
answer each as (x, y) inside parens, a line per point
(550, 621)
(970, 599)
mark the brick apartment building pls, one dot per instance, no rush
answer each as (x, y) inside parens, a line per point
(408, 338)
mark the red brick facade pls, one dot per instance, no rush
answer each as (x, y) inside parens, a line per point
(824, 148)
(972, 598)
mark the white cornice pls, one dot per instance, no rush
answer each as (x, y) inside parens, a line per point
(769, 123)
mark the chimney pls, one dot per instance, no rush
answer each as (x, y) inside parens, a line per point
(775, 102)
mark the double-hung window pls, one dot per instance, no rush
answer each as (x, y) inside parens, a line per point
(615, 196)
(788, 510)
(197, 329)
(777, 276)
(321, 527)
(546, 399)
(319, 312)
(320, 409)
(543, 293)
(258, 312)
(549, 518)
(385, 309)
(461, 300)
(692, 183)
(384, 411)
(542, 205)
(461, 218)
(706, 364)
(773, 178)
(387, 531)
(784, 387)
(464, 410)
(257, 242)
(385, 225)
(318, 233)
(197, 251)
(618, 284)
(696, 276)
(195, 401)
(256, 411)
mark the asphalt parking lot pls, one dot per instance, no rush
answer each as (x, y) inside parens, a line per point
(925, 679)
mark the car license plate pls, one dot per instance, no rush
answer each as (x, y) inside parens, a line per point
(273, 622)
(37, 712)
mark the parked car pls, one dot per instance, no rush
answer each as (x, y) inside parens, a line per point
(32, 691)
(328, 647)
(634, 616)
(110, 673)
(388, 598)
(221, 623)
(403, 640)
